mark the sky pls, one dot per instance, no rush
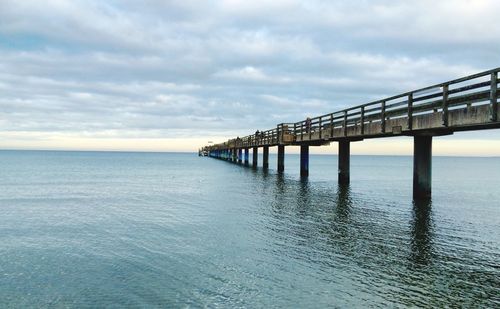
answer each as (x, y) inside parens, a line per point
(157, 75)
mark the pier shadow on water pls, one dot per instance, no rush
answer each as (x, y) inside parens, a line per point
(421, 233)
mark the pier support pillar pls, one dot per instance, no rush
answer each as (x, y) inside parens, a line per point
(246, 156)
(344, 162)
(235, 155)
(240, 158)
(281, 158)
(304, 160)
(265, 157)
(422, 167)
(255, 156)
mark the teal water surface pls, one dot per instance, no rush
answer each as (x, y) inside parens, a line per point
(102, 229)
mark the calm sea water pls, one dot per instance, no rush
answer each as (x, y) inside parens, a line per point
(90, 229)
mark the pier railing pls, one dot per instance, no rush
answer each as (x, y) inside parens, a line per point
(425, 108)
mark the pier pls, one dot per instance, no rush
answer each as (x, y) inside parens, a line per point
(464, 104)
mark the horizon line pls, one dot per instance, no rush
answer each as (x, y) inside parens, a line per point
(194, 152)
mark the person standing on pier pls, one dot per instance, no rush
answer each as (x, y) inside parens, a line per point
(308, 125)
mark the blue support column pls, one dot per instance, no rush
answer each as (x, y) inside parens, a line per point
(344, 162)
(304, 161)
(239, 156)
(265, 157)
(422, 167)
(281, 158)
(246, 156)
(255, 156)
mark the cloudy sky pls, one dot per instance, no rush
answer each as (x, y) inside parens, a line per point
(171, 75)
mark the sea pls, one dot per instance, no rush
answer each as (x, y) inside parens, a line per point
(174, 230)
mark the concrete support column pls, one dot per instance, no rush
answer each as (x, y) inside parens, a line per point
(235, 155)
(246, 156)
(281, 158)
(240, 156)
(344, 162)
(255, 156)
(265, 157)
(422, 167)
(304, 160)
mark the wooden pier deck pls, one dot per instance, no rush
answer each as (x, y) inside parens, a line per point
(464, 104)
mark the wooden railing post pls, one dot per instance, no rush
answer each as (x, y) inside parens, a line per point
(410, 111)
(382, 117)
(320, 128)
(309, 128)
(331, 125)
(362, 120)
(493, 97)
(277, 134)
(345, 123)
(445, 105)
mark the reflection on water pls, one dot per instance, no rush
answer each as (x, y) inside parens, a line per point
(366, 244)
(343, 202)
(304, 194)
(343, 206)
(421, 233)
